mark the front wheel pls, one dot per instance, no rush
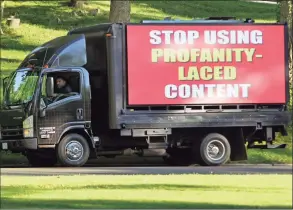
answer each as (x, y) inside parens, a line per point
(214, 150)
(73, 150)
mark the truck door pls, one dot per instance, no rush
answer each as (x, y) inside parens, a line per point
(63, 110)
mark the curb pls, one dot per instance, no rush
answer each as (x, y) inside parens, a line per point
(159, 165)
(261, 2)
(260, 164)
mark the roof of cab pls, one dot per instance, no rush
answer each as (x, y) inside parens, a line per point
(91, 29)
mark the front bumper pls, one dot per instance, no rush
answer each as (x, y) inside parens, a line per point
(19, 145)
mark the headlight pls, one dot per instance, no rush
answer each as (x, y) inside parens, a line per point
(28, 127)
(28, 132)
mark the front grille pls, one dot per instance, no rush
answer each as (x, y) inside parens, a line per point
(11, 132)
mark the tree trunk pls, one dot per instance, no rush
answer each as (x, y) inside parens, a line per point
(284, 10)
(72, 3)
(2, 15)
(285, 15)
(2, 8)
(290, 25)
(119, 11)
(290, 22)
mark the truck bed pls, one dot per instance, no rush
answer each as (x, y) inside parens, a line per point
(203, 118)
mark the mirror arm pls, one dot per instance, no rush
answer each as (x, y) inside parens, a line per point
(42, 112)
(4, 83)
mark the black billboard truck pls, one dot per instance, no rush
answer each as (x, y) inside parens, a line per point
(191, 92)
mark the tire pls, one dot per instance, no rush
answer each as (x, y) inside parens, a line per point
(222, 148)
(37, 160)
(73, 141)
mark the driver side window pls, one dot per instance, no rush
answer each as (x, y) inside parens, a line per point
(66, 84)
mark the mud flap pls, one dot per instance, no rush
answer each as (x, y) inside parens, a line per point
(237, 142)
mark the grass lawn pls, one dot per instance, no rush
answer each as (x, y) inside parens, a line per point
(148, 191)
(273, 155)
(44, 20)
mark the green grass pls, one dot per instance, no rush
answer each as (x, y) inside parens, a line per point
(147, 191)
(39, 23)
(273, 156)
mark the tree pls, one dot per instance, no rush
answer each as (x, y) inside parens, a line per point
(77, 3)
(286, 15)
(73, 3)
(119, 11)
(290, 22)
(283, 12)
(2, 14)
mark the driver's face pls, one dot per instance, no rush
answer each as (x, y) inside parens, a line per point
(60, 83)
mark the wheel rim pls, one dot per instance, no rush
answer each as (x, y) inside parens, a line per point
(74, 150)
(215, 150)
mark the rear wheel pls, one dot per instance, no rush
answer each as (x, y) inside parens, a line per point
(73, 150)
(214, 150)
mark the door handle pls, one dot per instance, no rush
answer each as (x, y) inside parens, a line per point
(79, 114)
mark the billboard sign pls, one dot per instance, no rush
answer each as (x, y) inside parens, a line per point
(205, 64)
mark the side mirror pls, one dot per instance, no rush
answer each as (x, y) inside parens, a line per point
(42, 110)
(4, 83)
(50, 86)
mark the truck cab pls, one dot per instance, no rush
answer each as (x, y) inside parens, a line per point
(30, 101)
(93, 117)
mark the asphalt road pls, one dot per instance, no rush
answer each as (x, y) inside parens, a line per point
(229, 169)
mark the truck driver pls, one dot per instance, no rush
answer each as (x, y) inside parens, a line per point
(62, 86)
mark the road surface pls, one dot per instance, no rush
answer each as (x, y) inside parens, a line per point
(262, 2)
(231, 169)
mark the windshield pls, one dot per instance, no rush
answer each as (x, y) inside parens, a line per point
(22, 87)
